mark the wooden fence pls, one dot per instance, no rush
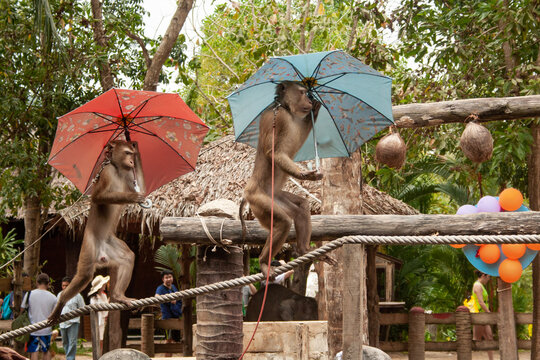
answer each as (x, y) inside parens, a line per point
(417, 320)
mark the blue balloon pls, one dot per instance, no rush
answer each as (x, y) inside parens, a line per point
(522, 208)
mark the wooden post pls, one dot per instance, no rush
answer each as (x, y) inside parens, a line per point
(147, 334)
(219, 314)
(534, 204)
(372, 296)
(353, 284)
(417, 328)
(187, 304)
(94, 324)
(464, 334)
(506, 323)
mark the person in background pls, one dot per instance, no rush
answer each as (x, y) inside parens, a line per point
(169, 310)
(480, 296)
(40, 303)
(70, 329)
(97, 295)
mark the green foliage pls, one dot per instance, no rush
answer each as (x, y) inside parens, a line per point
(435, 277)
(8, 248)
(169, 256)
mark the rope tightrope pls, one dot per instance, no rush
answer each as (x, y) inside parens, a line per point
(313, 255)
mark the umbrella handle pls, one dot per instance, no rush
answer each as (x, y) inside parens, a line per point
(147, 204)
(317, 160)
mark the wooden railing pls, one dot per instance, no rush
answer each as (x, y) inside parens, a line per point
(417, 320)
(146, 323)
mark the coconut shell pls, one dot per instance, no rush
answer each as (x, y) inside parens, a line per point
(391, 151)
(476, 143)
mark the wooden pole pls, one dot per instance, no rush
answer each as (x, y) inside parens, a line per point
(329, 227)
(147, 334)
(506, 323)
(534, 204)
(94, 325)
(372, 296)
(417, 328)
(445, 112)
(187, 304)
(464, 334)
(353, 288)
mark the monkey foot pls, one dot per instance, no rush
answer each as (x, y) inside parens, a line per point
(123, 300)
(264, 270)
(53, 318)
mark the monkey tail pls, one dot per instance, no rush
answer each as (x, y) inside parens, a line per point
(241, 215)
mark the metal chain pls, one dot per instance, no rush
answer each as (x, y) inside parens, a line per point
(311, 256)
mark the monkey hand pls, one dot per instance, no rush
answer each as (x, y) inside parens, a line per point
(311, 175)
(315, 108)
(329, 260)
(137, 198)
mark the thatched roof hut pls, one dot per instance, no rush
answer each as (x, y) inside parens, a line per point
(222, 170)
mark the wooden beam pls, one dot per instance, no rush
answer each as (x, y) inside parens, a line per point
(353, 284)
(445, 112)
(329, 227)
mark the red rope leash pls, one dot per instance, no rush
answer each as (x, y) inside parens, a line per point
(271, 238)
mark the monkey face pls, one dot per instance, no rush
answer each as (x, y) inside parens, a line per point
(294, 97)
(122, 154)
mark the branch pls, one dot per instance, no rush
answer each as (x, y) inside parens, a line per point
(169, 39)
(141, 43)
(105, 73)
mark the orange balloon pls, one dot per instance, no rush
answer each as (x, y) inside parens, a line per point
(534, 247)
(510, 270)
(514, 251)
(510, 199)
(457, 246)
(489, 253)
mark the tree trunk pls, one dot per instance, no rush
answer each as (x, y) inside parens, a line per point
(32, 228)
(219, 314)
(534, 204)
(506, 323)
(341, 195)
(165, 47)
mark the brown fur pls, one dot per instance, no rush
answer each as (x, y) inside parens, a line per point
(100, 247)
(292, 125)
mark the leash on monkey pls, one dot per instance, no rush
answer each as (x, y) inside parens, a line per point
(271, 233)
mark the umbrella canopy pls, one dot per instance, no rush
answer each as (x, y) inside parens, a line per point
(356, 101)
(168, 133)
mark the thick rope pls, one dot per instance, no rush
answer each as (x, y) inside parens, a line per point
(311, 256)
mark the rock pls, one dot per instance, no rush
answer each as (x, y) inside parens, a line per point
(368, 353)
(220, 208)
(124, 354)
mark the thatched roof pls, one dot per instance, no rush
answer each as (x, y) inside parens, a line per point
(222, 170)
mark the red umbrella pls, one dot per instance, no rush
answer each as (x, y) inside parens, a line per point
(168, 132)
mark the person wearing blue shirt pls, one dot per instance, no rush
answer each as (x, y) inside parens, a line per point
(169, 310)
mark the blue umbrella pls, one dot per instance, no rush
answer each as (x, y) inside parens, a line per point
(356, 101)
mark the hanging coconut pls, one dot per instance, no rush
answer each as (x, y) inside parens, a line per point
(391, 150)
(476, 143)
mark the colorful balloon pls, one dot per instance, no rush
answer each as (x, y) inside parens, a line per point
(457, 246)
(534, 247)
(514, 251)
(489, 253)
(522, 208)
(466, 210)
(510, 199)
(489, 204)
(510, 270)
